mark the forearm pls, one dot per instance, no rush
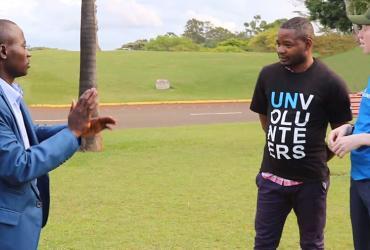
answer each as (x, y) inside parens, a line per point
(263, 121)
(364, 139)
(45, 132)
(18, 165)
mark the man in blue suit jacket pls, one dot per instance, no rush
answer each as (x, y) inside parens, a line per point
(29, 152)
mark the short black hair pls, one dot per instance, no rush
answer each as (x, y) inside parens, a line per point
(4, 29)
(301, 25)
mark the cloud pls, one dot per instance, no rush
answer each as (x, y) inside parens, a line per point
(71, 2)
(56, 23)
(127, 13)
(17, 8)
(215, 21)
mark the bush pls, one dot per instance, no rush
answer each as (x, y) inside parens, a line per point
(137, 45)
(264, 41)
(333, 43)
(228, 48)
(234, 42)
(171, 43)
(324, 45)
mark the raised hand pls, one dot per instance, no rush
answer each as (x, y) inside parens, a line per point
(79, 118)
(98, 124)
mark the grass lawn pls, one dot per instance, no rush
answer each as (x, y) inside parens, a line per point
(174, 188)
(352, 66)
(130, 76)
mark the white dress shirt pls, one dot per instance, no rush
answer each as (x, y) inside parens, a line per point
(14, 95)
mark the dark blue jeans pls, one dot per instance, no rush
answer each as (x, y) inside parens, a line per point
(274, 203)
(360, 213)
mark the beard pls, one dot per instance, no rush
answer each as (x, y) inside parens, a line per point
(293, 60)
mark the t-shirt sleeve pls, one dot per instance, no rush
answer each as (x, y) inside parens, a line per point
(338, 103)
(259, 100)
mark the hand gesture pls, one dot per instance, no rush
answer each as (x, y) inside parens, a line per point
(346, 144)
(98, 124)
(337, 133)
(79, 118)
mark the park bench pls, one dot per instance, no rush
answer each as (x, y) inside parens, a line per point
(355, 103)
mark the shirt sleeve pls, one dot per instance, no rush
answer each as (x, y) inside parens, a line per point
(259, 100)
(338, 106)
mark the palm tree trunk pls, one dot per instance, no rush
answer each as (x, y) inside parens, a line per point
(88, 46)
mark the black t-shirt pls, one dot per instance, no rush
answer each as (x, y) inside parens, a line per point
(299, 107)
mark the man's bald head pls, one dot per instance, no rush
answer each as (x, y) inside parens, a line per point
(7, 30)
(14, 56)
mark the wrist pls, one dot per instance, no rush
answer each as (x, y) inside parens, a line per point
(349, 129)
(75, 133)
(364, 139)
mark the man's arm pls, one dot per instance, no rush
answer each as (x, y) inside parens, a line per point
(263, 121)
(92, 127)
(45, 132)
(18, 165)
(338, 130)
(345, 144)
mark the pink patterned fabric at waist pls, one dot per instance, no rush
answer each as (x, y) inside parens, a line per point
(279, 180)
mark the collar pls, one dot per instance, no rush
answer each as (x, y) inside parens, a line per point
(12, 92)
(292, 71)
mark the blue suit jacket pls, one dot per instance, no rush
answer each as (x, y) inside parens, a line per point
(24, 205)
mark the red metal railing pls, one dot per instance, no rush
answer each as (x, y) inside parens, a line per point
(355, 103)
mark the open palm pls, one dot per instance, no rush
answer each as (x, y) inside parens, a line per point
(97, 125)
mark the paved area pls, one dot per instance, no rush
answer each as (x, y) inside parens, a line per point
(158, 115)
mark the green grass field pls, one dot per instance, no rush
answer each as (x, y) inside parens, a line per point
(130, 76)
(353, 66)
(174, 188)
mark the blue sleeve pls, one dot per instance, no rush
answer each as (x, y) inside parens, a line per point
(45, 132)
(18, 165)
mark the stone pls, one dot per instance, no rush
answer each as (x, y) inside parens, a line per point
(162, 84)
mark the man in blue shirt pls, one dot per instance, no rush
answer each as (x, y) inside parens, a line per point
(357, 140)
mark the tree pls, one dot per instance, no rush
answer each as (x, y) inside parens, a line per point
(242, 44)
(88, 47)
(356, 7)
(137, 45)
(171, 34)
(196, 30)
(216, 35)
(276, 23)
(171, 43)
(255, 26)
(332, 13)
(204, 32)
(264, 41)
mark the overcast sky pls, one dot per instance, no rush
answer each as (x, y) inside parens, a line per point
(56, 23)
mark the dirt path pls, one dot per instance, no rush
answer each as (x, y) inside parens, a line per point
(159, 115)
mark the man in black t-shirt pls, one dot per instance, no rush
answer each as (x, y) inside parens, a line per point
(296, 99)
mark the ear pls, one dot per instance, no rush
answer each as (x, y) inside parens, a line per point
(3, 53)
(309, 43)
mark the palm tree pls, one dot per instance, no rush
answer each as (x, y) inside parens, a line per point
(88, 46)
